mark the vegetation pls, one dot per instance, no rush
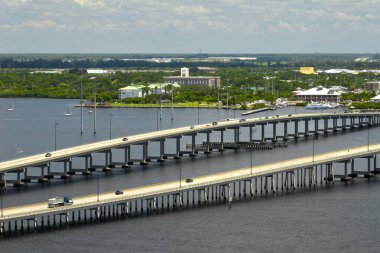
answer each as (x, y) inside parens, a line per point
(241, 84)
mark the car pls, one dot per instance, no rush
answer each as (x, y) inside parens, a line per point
(242, 120)
(68, 200)
(48, 154)
(119, 192)
(266, 118)
(277, 115)
(189, 180)
(192, 127)
(214, 123)
(289, 115)
(125, 139)
(228, 119)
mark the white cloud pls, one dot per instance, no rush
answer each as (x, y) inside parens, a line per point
(189, 10)
(344, 16)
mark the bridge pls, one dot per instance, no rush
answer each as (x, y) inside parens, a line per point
(59, 164)
(225, 187)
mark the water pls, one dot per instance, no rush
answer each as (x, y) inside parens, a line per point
(333, 219)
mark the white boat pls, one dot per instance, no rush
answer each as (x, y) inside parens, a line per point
(321, 106)
(68, 111)
(10, 108)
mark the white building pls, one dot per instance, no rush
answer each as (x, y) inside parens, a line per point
(130, 92)
(375, 99)
(318, 94)
(185, 72)
(96, 71)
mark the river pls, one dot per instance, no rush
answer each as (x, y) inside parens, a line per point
(343, 218)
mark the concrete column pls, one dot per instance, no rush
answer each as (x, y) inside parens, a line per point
(193, 144)
(221, 148)
(237, 135)
(162, 149)
(178, 146)
(145, 152)
(208, 142)
(296, 135)
(285, 130)
(274, 126)
(262, 133)
(306, 127)
(326, 125)
(316, 126)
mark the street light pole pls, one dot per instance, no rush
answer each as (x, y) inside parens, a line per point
(157, 118)
(97, 187)
(95, 109)
(81, 103)
(180, 173)
(1, 199)
(172, 105)
(110, 126)
(55, 135)
(251, 159)
(313, 147)
(218, 98)
(368, 138)
(198, 112)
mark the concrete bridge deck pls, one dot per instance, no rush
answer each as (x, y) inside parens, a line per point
(203, 182)
(102, 146)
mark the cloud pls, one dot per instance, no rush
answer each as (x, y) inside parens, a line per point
(89, 2)
(39, 24)
(189, 10)
(344, 16)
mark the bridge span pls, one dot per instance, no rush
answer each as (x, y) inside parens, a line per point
(59, 164)
(225, 187)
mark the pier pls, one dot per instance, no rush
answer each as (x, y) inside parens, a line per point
(309, 172)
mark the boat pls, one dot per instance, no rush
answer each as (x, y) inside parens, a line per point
(321, 106)
(68, 111)
(281, 103)
(10, 108)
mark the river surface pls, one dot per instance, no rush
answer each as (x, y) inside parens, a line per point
(343, 218)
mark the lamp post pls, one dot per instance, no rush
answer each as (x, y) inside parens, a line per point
(157, 118)
(55, 135)
(251, 160)
(1, 200)
(111, 126)
(313, 147)
(368, 138)
(180, 173)
(198, 112)
(81, 103)
(218, 98)
(95, 109)
(172, 104)
(97, 187)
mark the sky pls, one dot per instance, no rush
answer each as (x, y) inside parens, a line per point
(191, 26)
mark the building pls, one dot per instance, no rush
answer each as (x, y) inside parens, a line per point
(157, 88)
(375, 99)
(186, 79)
(318, 94)
(96, 71)
(307, 70)
(372, 86)
(130, 92)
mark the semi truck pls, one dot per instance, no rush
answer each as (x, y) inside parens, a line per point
(59, 201)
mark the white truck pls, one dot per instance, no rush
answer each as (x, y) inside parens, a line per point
(57, 201)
